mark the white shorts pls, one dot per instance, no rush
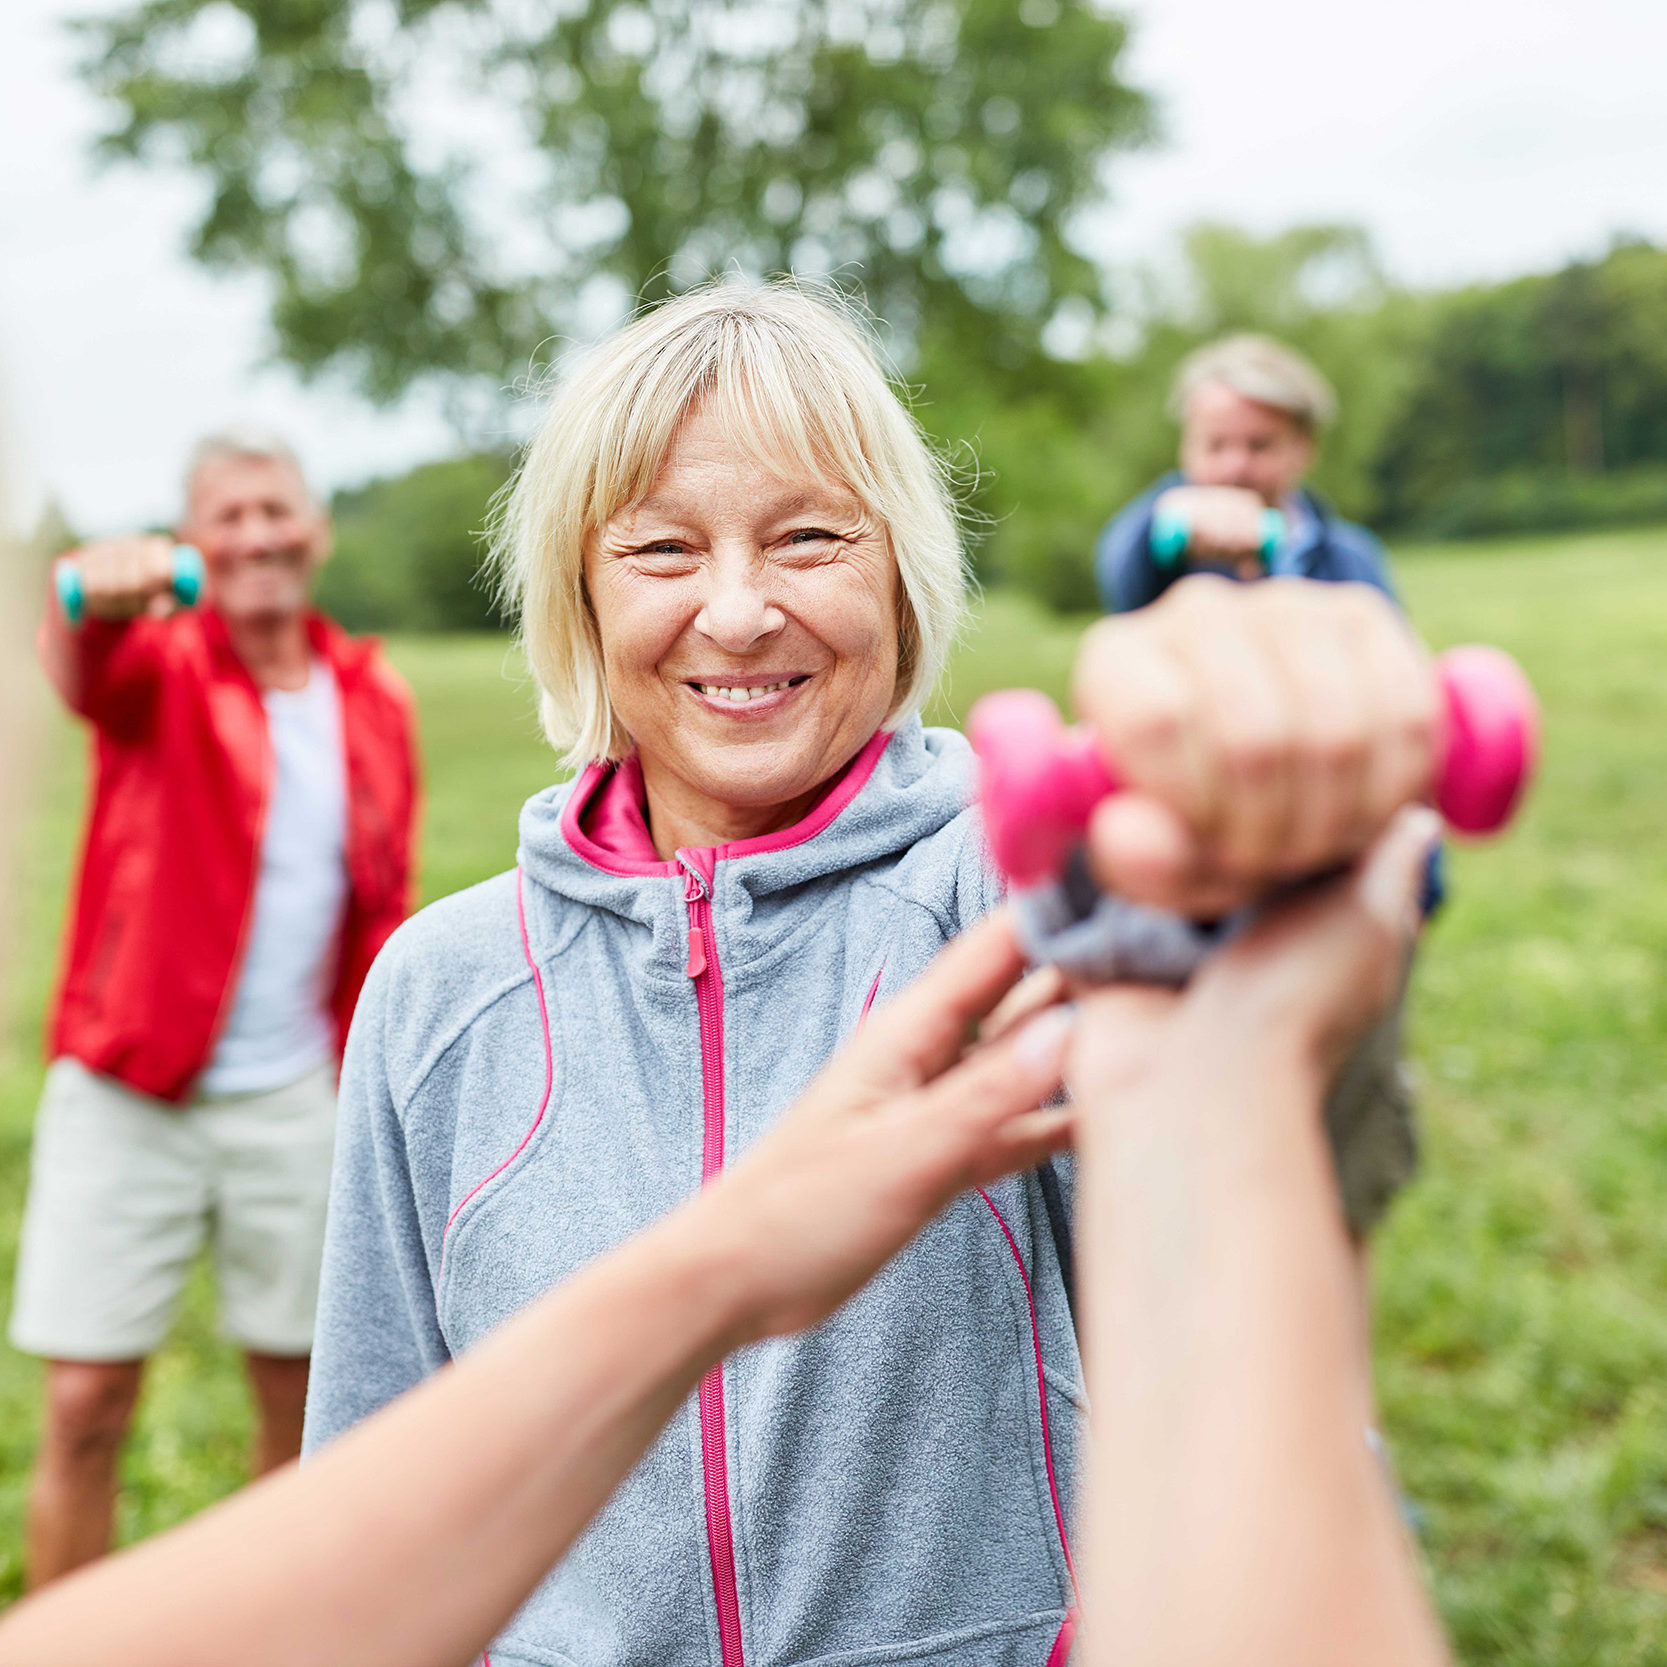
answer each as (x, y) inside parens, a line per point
(125, 1190)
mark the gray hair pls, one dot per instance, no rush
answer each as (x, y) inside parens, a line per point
(1258, 368)
(241, 445)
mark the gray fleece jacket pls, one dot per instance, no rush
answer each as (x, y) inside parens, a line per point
(545, 1063)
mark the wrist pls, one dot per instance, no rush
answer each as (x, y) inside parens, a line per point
(1219, 1077)
(703, 1275)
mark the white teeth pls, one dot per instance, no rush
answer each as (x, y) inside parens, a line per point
(738, 696)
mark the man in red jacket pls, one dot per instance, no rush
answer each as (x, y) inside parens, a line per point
(247, 852)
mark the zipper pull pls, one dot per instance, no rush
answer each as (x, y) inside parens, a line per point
(697, 952)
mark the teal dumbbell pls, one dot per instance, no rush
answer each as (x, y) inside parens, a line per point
(189, 577)
(1171, 533)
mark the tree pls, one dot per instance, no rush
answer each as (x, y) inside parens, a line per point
(437, 188)
(1545, 385)
(408, 549)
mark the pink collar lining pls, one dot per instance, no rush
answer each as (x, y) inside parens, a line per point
(610, 797)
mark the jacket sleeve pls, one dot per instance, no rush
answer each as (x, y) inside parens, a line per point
(1123, 566)
(413, 801)
(1356, 556)
(377, 1333)
(107, 671)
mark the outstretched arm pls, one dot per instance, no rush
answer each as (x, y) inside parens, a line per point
(1236, 1513)
(107, 670)
(409, 1542)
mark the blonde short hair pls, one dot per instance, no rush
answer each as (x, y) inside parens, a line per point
(1258, 368)
(795, 380)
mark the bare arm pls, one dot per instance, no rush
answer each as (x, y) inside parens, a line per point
(1235, 1511)
(411, 1541)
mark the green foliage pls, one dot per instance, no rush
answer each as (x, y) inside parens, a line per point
(434, 187)
(1565, 371)
(1521, 1338)
(408, 550)
(1549, 500)
(1422, 380)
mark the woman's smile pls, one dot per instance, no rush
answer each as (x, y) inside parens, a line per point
(748, 698)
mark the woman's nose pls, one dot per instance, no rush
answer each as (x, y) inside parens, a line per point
(738, 614)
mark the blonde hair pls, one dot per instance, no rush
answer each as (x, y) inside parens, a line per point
(794, 379)
(1258, 368)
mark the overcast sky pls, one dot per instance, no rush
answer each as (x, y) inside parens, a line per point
(1473, 138)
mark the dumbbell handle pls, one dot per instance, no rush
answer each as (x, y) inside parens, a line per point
(1039, 781)
(187, 581)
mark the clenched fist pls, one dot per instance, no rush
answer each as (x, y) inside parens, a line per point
(122, 578)
(1263, 733)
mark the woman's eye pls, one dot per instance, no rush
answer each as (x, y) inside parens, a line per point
(810, 535)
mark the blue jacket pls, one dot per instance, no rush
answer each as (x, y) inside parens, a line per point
(547, 1062)
(1324, 547)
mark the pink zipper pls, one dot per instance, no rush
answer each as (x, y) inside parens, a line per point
(704, 972)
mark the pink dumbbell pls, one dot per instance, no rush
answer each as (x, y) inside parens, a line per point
(1039, 781)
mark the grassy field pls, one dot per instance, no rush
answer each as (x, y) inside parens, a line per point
(1522, 1316)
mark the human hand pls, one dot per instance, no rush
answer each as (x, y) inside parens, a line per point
(1300, 987)
(1224, 523)
(1262, 733)
(905, 1116)
(122, 578)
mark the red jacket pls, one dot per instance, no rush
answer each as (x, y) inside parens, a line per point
(183, 769)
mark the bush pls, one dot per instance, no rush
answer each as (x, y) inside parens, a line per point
(408, 550)
(1548, 500)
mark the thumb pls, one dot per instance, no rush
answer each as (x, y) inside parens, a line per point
(1389, 879)
(1326, 962)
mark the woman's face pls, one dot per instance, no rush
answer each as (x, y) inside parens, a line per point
(749, 634)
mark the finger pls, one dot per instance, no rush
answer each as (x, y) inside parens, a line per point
(1142, 850)
(1403, 764)
(1005, 1078)
(1321, 967)
(1021, 1143)
(1036, 990)
(1313, 639)
(1389, 882)
(924, 1029)
(1134, 692)
(1231, 522)
(1248, 727)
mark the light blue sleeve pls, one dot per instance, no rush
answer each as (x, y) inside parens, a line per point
(377, 1333)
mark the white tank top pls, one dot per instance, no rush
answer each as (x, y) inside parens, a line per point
(280, 1027)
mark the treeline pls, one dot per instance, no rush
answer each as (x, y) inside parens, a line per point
(1536, 404)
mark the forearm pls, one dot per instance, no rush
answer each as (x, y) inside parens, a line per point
(1236, 1512)
(104, 670)
(412, 1540)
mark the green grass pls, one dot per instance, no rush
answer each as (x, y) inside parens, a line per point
(1522, 1310)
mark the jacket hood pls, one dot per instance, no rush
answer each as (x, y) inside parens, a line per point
(585, 841)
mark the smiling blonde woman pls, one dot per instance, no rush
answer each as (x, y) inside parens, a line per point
(737, 573)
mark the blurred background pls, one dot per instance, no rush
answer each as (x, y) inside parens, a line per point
(373, 224)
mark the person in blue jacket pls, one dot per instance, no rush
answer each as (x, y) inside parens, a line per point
(1251, 412)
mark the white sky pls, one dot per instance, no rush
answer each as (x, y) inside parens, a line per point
(1474, 139)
